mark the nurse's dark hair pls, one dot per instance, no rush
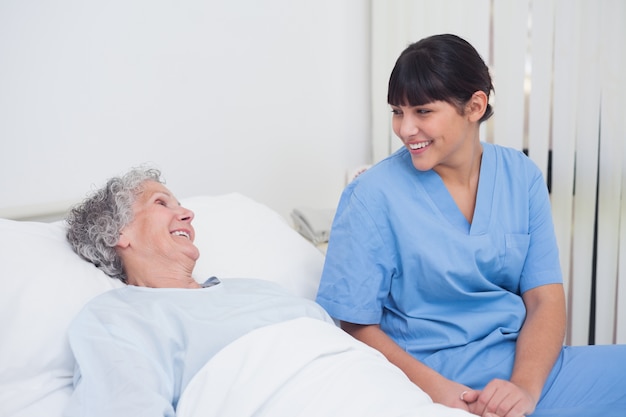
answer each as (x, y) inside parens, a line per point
(439, 68)
(94, 226)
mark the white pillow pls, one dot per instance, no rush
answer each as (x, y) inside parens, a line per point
(44, 284)
(241, 238)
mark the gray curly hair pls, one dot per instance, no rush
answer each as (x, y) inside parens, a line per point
(94, 226)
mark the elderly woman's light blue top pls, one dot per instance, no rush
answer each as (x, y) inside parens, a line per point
(137, 348)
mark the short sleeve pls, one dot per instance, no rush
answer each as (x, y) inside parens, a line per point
(542, 262)
(359, 263)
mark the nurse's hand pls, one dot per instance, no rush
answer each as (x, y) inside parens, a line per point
(502, 398)
(447, 392)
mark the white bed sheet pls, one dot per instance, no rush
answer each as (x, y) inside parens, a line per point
(304, 368)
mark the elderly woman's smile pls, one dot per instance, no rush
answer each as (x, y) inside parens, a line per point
(181, 233)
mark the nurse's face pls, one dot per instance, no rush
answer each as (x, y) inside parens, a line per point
(436, 134)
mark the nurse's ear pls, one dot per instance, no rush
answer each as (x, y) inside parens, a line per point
(476, 106)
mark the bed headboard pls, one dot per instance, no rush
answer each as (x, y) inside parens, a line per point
(48, 212)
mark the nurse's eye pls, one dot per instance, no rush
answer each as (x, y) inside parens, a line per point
(396, 112)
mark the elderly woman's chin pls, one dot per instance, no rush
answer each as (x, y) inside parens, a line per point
(195, 253)
(190, 250)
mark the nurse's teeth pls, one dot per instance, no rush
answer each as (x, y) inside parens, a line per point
(418, 145)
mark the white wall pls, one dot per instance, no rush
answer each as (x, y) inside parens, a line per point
(265, 97)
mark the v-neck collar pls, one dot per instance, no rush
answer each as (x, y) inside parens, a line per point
(442, 199)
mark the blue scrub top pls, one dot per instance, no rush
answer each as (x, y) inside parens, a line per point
(401, 254)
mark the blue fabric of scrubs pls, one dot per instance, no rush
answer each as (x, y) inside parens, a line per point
(402, 255)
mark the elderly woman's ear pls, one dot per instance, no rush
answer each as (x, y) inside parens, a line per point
(123, 242)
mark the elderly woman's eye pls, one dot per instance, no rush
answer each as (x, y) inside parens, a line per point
(161, 202)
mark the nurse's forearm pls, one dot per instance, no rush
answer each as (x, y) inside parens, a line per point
(439, 388)
(541, 338)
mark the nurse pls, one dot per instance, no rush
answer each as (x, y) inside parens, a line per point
(443, 256)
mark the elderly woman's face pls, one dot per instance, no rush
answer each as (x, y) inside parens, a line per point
(161, 227)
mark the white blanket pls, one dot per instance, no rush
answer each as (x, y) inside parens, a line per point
(303, 368)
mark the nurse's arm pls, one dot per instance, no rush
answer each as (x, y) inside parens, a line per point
(541, 338)
(439, 388)
(538, 346)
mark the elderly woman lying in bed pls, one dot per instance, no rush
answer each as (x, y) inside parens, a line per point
(166, 345)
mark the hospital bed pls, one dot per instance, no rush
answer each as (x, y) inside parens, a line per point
(45, 284)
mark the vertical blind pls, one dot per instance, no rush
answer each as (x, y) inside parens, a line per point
(557, 67)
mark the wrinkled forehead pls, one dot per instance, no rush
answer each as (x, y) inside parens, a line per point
(149, 188)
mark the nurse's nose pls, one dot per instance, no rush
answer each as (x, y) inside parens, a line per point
(408, 126)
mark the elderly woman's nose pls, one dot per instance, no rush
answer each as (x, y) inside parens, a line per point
(186, 214)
